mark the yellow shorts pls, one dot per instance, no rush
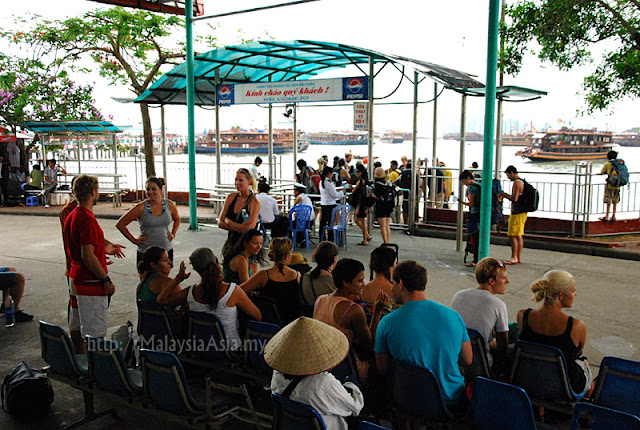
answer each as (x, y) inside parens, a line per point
(516, 224)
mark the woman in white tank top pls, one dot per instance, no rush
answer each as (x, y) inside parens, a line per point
(212, 295)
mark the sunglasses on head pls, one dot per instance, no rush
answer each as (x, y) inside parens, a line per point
(500, 264)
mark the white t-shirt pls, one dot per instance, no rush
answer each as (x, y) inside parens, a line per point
(268, 208)
(329, 194)
(306, 201)
(482, 311)
(326, 395)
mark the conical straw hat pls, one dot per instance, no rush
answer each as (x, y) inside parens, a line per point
(306, 347)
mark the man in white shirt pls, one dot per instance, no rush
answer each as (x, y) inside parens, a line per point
(268, 205)
(51, 179)
(254, 169)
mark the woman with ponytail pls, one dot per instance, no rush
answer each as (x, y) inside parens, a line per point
(279, 282)
(381, 264)
(319, 281)
(154, 269)
(550, 326)
(212, 295)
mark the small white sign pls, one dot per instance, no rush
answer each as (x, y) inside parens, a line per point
(361, 116)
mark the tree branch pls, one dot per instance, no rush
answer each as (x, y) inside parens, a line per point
(635, 37)
(125, 65)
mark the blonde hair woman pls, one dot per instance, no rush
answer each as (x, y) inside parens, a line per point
(548, 325)
(241, 209)
(279, 282)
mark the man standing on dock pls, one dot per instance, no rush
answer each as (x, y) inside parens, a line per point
(87, 250)
(518, 217)
(611, 192)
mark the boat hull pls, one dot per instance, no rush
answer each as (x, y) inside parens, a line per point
(202, 149)
(339, 142)
(554, 156)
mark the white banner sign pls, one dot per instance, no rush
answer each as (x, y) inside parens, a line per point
(360, 116)
(317, 90)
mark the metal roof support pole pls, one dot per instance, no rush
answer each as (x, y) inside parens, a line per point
(414, 158)
(434, 140)
(463, 131)
(498, 140)
(43, 139)
(116, 180)
(270, 142)
(164, 150)
(295, 139)
(489, 123)
(191, 90)
(78, 153)
(370, 127)
(218, 146)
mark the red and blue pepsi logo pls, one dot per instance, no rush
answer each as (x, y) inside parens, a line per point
(355, 85)
(224, 92)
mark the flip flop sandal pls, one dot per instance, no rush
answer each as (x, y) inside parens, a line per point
(363, 244)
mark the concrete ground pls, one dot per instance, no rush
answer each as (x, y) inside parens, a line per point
(608, 291)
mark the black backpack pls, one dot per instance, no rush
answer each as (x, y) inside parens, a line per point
(530, 197)
(26, 392)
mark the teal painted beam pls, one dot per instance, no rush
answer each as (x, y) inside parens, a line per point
(489, 129)
(191, 131)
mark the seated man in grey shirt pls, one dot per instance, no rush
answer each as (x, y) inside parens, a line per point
(483, 311)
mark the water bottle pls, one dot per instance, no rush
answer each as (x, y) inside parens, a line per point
(245, 215)
(136, 343)
(10, 313)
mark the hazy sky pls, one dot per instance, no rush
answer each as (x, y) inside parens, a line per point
(451, 33)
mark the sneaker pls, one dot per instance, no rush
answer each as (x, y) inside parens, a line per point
(22, 316)
(46, 206)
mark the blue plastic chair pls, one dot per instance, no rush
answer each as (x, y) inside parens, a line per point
(300, 220)
(154, 325)
(480, 364)
(64, 365)
(341, 212)
(366, 425)
(291, 415)
(348, 369)
(499, 406)
(166, 385)
(541, 370)
(416, 392)
(207, 329)
(57, 352)
(108, 368)
(269, 309)
(258, 334)
(618, 385)
(588, 416)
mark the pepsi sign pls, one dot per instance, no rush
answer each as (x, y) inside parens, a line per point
(225, 95)
(355, 88)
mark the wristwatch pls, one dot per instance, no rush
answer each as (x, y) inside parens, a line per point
(105, 280)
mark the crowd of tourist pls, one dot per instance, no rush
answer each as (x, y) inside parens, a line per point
(389, 318)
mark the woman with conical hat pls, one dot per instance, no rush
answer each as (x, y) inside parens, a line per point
(301, 355)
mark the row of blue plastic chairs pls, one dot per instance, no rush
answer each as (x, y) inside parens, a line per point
(541, 370)
(300, 220)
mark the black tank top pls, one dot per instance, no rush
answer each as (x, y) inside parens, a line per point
(564, 343)
(287, 294)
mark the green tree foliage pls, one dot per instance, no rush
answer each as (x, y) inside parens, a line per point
(30, 92)
(128, 46)
(567, 31)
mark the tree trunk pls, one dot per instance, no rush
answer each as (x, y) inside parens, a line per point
(148, 140)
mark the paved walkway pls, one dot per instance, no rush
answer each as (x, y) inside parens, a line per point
(608, 289)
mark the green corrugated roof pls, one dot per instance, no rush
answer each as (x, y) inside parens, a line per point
(283, 61)
(72, 127)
